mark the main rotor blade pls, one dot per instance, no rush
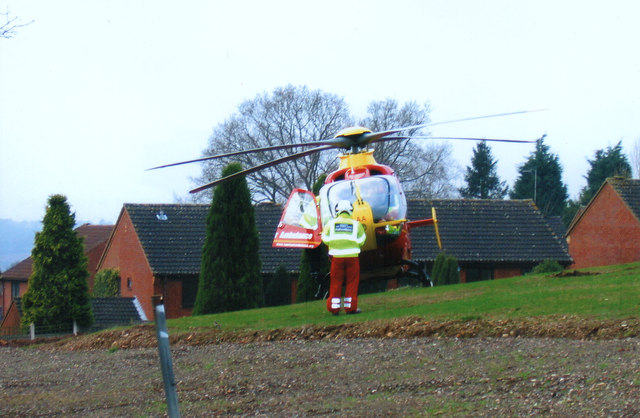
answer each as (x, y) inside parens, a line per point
(262, 166)
(333, 142)
(456, 138)
(495, 115)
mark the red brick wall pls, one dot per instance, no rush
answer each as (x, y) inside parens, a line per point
(93, 258)
(6, 298)
(126, 254)
(608, 233)
(503, 273)
(172, 294)
(498, 273)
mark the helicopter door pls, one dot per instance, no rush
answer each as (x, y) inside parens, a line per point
(300, 225)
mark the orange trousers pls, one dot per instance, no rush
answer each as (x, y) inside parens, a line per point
(345, 271)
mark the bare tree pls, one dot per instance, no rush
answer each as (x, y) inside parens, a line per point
(292, 115)
(8, 28)
(425, 168)
(286, 116)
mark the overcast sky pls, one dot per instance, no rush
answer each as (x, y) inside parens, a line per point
(94, 92)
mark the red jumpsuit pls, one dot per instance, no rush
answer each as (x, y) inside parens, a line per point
(344, 237)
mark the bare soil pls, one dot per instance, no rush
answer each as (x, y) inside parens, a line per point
(408, 367)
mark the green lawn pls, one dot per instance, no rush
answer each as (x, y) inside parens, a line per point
(612, 293)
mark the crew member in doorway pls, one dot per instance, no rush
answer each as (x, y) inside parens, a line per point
(344, 236)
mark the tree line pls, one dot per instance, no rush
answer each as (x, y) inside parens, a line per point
(293, 114)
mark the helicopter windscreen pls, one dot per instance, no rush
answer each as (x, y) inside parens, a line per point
(382, 193)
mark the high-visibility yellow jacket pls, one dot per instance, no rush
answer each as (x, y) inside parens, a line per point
(344, 236)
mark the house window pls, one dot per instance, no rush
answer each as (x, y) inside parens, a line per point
(15, 290)
(129, 283)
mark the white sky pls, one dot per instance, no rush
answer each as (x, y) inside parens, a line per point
(94, 92)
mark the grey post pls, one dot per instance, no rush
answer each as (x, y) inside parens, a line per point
(162, 335)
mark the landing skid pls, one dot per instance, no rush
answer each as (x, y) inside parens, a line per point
(414, 274)
(416, 271)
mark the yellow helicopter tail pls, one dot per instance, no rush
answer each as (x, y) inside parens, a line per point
(435, 226)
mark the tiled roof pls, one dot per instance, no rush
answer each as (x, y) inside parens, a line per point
(93, 235)
(629, 191)
(172, 236)
(20, 271)
(114, 311)
(486, 231)
(558, 228)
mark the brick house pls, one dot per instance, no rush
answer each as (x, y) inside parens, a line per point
(607, 231)
(158, 250)
(492, 239)
(14, 282)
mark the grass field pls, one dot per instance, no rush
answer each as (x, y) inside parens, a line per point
(611, 292)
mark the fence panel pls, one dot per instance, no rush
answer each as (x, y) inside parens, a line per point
(41, 331)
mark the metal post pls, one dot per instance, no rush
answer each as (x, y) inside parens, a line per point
(32, 330)
(162, 334)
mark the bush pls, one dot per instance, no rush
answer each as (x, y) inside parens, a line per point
(438, 267)
(107, 284)
(278, 288)
(451, 271)
(547, 266)
(445, 270)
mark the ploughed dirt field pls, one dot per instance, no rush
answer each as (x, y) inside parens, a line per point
(408, 367)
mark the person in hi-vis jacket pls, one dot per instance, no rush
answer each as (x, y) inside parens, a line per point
(344, 236)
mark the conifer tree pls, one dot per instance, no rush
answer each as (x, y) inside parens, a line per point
(606, 163)
(58, 290)
(278, 288)
(230, 276)
(450, 271)
(437, 273)
(481, 178)
(541, 180)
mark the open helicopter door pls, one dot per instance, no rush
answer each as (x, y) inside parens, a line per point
(300, 225)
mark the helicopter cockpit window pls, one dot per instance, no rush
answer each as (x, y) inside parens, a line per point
(382, 193)
(301, 211)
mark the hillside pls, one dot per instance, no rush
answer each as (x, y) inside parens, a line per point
(599, 303)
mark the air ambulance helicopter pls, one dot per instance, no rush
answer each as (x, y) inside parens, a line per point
(375, 192)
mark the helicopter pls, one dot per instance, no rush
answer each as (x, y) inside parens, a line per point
(376, 194)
